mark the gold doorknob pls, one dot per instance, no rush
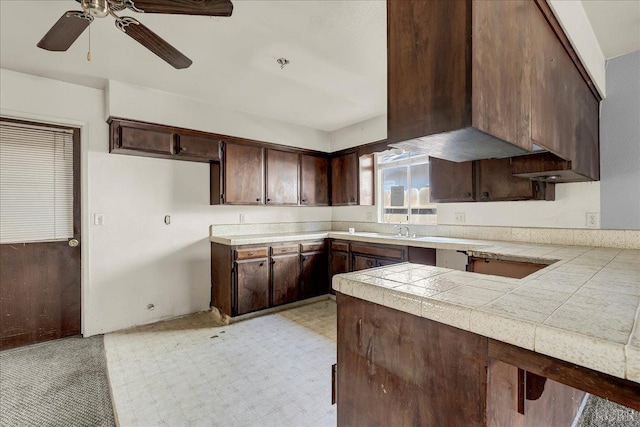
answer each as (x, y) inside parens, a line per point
(74, 243)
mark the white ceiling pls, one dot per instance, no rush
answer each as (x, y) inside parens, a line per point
(337, 50)
(616, 25)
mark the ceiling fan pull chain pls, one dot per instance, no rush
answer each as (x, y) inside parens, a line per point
(89, 52)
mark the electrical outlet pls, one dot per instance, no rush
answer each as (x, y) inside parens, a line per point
(369, 216)
(593, 220)
(241, 218)
(459, 217)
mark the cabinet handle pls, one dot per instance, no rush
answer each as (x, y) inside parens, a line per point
(467, 194)
(273, 261)
(268, 200)
(304, 259)
(353, 199)
(261, 264)
(304, 200)
(485, 194)
(183, 149)
(258, 199)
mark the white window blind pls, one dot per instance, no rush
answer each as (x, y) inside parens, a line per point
(36, 183)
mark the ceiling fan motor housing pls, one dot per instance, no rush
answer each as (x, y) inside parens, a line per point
(96, 8)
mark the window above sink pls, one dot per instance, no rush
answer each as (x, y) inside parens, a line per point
(403, 188)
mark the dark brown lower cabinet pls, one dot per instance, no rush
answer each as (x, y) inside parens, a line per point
(252, 285)
(397, 369)
(285, 275)
(249, 278)
(362, 262)
(338, 264)
(313, 277)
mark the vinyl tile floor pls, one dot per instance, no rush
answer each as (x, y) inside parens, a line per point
(273, 370)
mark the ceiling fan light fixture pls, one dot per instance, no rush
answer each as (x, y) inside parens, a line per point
(96, 8)
(282, 62)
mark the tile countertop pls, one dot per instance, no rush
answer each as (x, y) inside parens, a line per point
(583, 307)
(427, 242)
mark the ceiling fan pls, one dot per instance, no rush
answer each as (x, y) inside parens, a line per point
(73, 23)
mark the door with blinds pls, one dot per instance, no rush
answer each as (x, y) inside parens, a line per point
(39, 232)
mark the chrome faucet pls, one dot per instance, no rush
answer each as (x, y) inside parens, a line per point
(399, 227)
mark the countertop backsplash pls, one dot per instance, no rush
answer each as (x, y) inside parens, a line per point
(627, 239)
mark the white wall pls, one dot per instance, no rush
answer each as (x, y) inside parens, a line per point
(139, 103)
(371, 130)
(569, 209)
(135, 259)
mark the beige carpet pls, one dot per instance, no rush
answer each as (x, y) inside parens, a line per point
(57, 383)
(603, 413)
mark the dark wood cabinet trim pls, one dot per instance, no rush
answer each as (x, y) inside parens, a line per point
(616, 389)
(544, 7)
(217, 136)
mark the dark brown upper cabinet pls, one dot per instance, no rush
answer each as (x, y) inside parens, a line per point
(496, 183)
(190, 146)
(242, 174)
(451, 181)
(352, 180)
(282, 177)
(314, 180)
(482, 181)
(154, 140)
(473, 80)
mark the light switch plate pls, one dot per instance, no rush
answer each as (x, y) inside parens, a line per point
(98, 219)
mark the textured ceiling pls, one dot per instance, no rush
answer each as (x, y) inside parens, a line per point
(616, 24)
(337, 50)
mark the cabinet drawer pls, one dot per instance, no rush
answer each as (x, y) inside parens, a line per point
(311, 247)
(340, 246)
(198, 146)
(288, 249)
(379, 251)
(251, 253)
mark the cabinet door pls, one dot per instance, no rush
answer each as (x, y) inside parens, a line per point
(344, 180)
(157, 141)
(285, 278)
(451, 181)
(314, 274)
(497, 182)
(252, 285)
(282, 178)
(428, 49)
(554, 110)
(585, 153)
(314, 180)
(338, 264)
(361, 262)
(198, 147)
(501, 61)
(243, 169)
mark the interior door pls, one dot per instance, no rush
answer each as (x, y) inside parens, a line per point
(39, 232)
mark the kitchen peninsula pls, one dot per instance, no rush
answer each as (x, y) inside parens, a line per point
(424, 345)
